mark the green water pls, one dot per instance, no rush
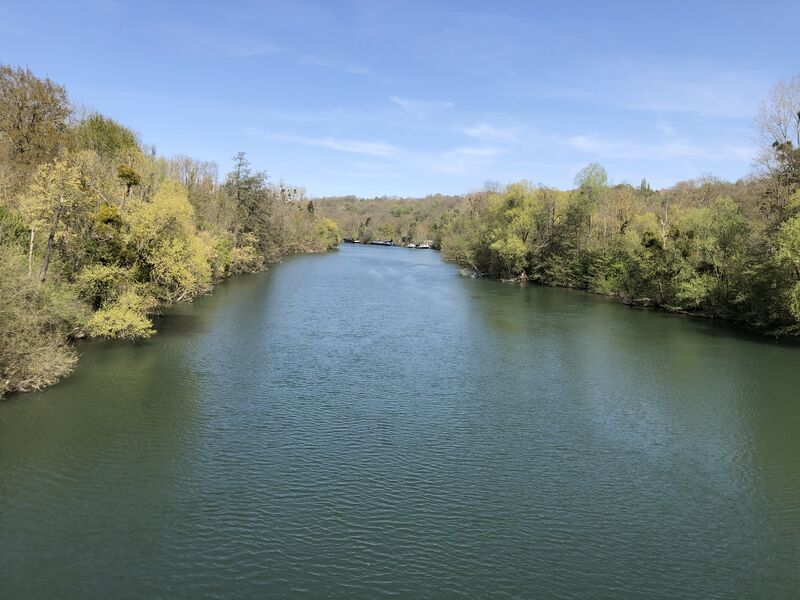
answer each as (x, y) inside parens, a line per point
(368, 424)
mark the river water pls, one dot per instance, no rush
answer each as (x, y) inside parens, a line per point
(367, 423)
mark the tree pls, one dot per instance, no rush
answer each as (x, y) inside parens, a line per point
(778, 128)
(124, 318)
(105, 136)
(163, 235)
(251, 201)
(55, 197)
(129, 178)
(591, 182)
(778, 118)
(33, 118)
(35, 323)
(510, 255)
(788, 254)
(593, 176)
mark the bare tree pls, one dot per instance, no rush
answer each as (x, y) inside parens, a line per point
(778, 120)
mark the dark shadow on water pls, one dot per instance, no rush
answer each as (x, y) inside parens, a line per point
(713, 327)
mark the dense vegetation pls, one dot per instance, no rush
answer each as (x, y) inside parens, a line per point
(725, 250)
(97, 231)
(707, 246)
(404, 220)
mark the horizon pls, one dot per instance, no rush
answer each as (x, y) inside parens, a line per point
(376, 101)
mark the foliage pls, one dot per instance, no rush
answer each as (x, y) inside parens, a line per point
(96, 230)
(99, 284)
(36, 322)
(33, 119)
(125, 318)
(106, 137)
(693, 248)
(406, 220)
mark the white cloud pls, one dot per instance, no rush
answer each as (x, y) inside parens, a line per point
(366, 147)
(703, 88)
(420, 108)
(478, 150)
(666, 130)
(491, 133)
(631, 148)
(691, 86)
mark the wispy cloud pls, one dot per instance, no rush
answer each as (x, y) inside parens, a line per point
(236, 45)
(491, 133)
(220, 43)
(316, 61)
(391, 160)
(365, 147)
(666, 130)
(370, 170)
(459, 160)
(605, 147)
(478, 150)
(421, 108)
(689, 86)
(703, 88)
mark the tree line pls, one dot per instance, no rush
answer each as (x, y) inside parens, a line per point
(404, 220)
(707, 246)
(97, 231)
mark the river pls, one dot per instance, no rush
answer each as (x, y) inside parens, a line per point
(367, 423)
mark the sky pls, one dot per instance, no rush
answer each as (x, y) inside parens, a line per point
(411, 98)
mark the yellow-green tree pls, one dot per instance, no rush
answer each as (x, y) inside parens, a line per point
(170, 254)
(55, 200)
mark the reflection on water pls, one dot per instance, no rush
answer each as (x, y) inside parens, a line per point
(367, 423)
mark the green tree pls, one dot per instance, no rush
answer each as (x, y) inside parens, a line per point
(54, 201)
(106, 137)
(788, 254)
(170, 254)
(251, 201)
(33, 118)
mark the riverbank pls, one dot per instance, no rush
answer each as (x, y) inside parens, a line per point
(646, 304)
(703, 248)
(97, 231)
(326, 428)
(53, 373)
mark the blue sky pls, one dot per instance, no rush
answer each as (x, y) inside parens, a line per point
(410, 98)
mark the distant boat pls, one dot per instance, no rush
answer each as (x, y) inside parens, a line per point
(411, 246)
(382, 242)
(356, 241)
(425, 245)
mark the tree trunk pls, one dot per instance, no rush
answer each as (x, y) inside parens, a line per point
(49, 248)
(30, 253)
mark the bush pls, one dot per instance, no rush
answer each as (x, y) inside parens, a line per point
(36, 322)
(125, 318)
(99, 284)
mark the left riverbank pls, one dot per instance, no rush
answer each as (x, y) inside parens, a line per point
(98, 232)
